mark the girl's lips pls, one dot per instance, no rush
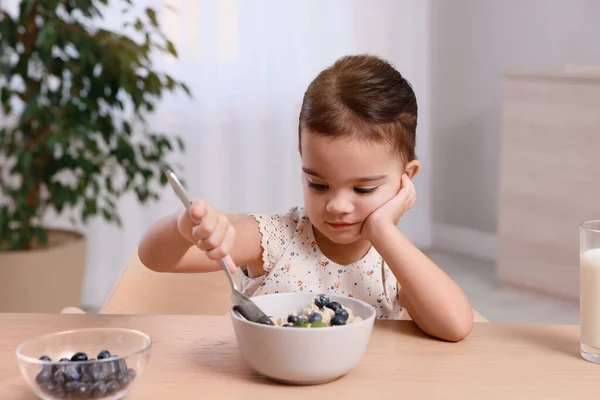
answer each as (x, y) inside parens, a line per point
(339, 225)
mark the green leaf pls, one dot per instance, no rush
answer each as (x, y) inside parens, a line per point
(186, 89)
(152, 17)
(25, 7)
(170, 83)
(41, 235)
(46, 39)
(142, 194)
(26, 160)
(107, 215)
(109, 185)
(90, 208)
(117, 220)
(171, 48)
(163, 179)
(30, 109)
(5, 95)
(146, 173)
(7, 30)
(180, 143)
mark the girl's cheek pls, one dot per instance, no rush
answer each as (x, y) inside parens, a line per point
(311, 201)
(378, 199)
(367, 205)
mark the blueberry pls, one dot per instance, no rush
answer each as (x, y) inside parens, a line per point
(60, 366)
(83, 389)
(72, 373)
(51, 388)
(338, 320)
(292, 318)
(124, 379)
(46, 371)
(122, 365)
(97, 376)
(103, 354)
(94, 369)
(48, 386)
(71, 386)
(79, 356)
(334, 305)
(112, 387)
(98, 389)
(108, 371)
(314, 317)
(287, 325)
(43, 376)
(86, 378)
(322, 301)
(342, 313)
(59, 378)
(63, 364)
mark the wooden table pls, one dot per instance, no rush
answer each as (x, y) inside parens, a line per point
(196, 357)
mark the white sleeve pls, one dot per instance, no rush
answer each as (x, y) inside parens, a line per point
(276, 231)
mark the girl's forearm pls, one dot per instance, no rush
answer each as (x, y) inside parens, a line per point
(162, 247)
(436, 303)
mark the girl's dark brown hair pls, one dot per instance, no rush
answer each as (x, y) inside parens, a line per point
(364, 97)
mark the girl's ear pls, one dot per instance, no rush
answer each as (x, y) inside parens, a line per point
(412, 168)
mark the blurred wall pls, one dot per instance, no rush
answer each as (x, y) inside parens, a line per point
(473, 43)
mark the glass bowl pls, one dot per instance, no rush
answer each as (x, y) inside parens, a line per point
(97, 363)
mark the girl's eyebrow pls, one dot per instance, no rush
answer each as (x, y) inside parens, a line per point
(361, 179)
(371, 178)
(311, 172)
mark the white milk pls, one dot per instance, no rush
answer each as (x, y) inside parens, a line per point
(589, 297)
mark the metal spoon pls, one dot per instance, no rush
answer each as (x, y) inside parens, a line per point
(242, 303)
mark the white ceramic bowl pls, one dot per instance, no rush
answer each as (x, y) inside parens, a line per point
(303, 355)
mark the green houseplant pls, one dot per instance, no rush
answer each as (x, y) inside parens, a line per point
(74, 103)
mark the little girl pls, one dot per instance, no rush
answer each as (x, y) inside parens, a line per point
(357, 145)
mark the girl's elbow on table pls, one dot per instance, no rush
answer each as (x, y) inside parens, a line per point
(460, 327)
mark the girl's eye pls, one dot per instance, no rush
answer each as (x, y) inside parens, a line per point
(365, 190)
(317, 186)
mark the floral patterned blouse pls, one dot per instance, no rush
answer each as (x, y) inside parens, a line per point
(293, 262)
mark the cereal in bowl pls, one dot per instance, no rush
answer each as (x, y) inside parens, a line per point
(321, 313)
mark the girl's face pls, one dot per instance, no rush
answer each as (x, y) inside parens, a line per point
(345, 180)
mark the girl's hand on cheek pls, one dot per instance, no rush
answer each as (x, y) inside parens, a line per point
(391, 211)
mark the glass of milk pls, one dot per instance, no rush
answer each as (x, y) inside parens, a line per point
(589, 290)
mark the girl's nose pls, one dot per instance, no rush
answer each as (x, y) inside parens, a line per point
(339, 205)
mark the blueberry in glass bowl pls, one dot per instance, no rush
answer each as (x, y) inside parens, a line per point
(90, 363)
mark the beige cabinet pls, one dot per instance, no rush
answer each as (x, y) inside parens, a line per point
(549, 178)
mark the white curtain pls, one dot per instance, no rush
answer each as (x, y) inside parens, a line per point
(248, 64)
